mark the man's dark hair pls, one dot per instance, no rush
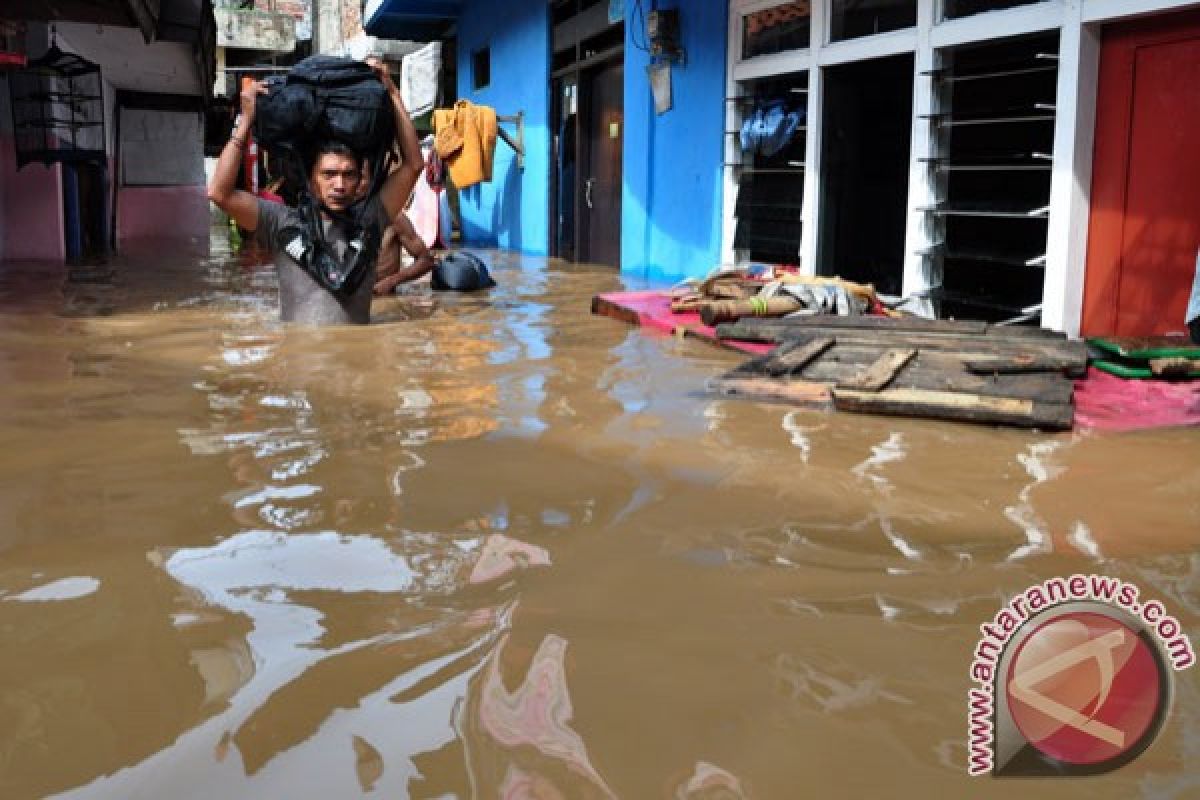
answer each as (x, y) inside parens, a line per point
(334, 148)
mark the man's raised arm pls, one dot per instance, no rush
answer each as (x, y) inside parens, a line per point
(222, 190)
(399, 185)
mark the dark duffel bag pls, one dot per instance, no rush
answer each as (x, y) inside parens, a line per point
(360, 116)
(461, 271)
(355, 108)
(326, 97)
(287, 115)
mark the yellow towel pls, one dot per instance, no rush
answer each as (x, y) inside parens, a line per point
(485, 122)
(475, 127)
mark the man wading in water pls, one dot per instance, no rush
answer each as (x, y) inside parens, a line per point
(335, 173)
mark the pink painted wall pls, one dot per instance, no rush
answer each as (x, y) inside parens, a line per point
(162, 212)
(31, 203)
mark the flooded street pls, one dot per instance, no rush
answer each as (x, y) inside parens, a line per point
(493, 546)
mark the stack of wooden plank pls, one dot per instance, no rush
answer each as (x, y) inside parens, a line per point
(958, 370)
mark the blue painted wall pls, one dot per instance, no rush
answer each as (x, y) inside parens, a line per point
(671, 199)
(671, 225)
(512, 211)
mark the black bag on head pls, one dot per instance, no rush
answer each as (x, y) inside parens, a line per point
(326, 98)
(287, 116)
(355, 108)
(461, 272)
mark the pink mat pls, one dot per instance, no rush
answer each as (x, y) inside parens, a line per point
(1102, 401)
(653, 310)
(1106, 402)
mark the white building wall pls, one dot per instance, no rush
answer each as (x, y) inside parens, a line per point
(1079, 23)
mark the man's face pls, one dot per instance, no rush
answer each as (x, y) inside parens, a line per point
(335, 180)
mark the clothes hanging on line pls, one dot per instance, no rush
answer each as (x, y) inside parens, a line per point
(770, 128)
(419, 73)
(422, 209)
(465, 138)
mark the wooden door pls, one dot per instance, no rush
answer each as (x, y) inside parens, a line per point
(604, 131)
(1145, 215)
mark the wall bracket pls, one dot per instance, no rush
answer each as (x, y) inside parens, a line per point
(518, 144)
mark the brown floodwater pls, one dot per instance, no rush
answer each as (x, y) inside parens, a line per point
(493, 546)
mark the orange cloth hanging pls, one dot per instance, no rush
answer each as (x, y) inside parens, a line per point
(465, 137)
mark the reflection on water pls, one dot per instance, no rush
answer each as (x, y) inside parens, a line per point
(493, 546)
(534, 717)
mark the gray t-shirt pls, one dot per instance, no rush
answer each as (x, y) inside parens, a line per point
(301, 298)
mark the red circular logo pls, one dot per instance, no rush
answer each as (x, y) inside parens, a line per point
(1084, 688)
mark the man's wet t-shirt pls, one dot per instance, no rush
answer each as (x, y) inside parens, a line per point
(301, 298)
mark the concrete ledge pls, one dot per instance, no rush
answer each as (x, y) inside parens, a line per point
(255, 30)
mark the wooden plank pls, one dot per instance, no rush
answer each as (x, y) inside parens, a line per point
(829, 325)
(880, 373)
(936, 372)
(800, 393)
(932, 370)
(957, 406)
(1073, 355)
(923, 325)
(914, 324)
(1174, 367)
(929, 371)
(1016, 364)
(787, 358)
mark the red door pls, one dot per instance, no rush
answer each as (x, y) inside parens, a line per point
(1145, 216)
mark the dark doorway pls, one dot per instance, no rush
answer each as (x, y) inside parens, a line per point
(603, 130)
(867, 135)
(588, 127)
(85, 212)
(564, 183)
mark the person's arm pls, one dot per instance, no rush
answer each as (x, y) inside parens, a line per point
(222, 190)
(399, 185)
(415, 245)
(389, 254)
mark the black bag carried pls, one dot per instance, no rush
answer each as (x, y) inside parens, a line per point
(326, 97)
(354, 106)
(461, 271)
(287, 116)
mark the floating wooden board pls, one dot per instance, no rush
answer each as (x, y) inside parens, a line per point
(800, 393)
(1071, 355)
(880, 373)
(957, 406)
(913, 325)
(933, 371)
(789, 358)
(872, 323)
(1015, 365)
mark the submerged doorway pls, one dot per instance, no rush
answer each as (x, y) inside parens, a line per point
(588, 72)
(866, 138)
(586, 185)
